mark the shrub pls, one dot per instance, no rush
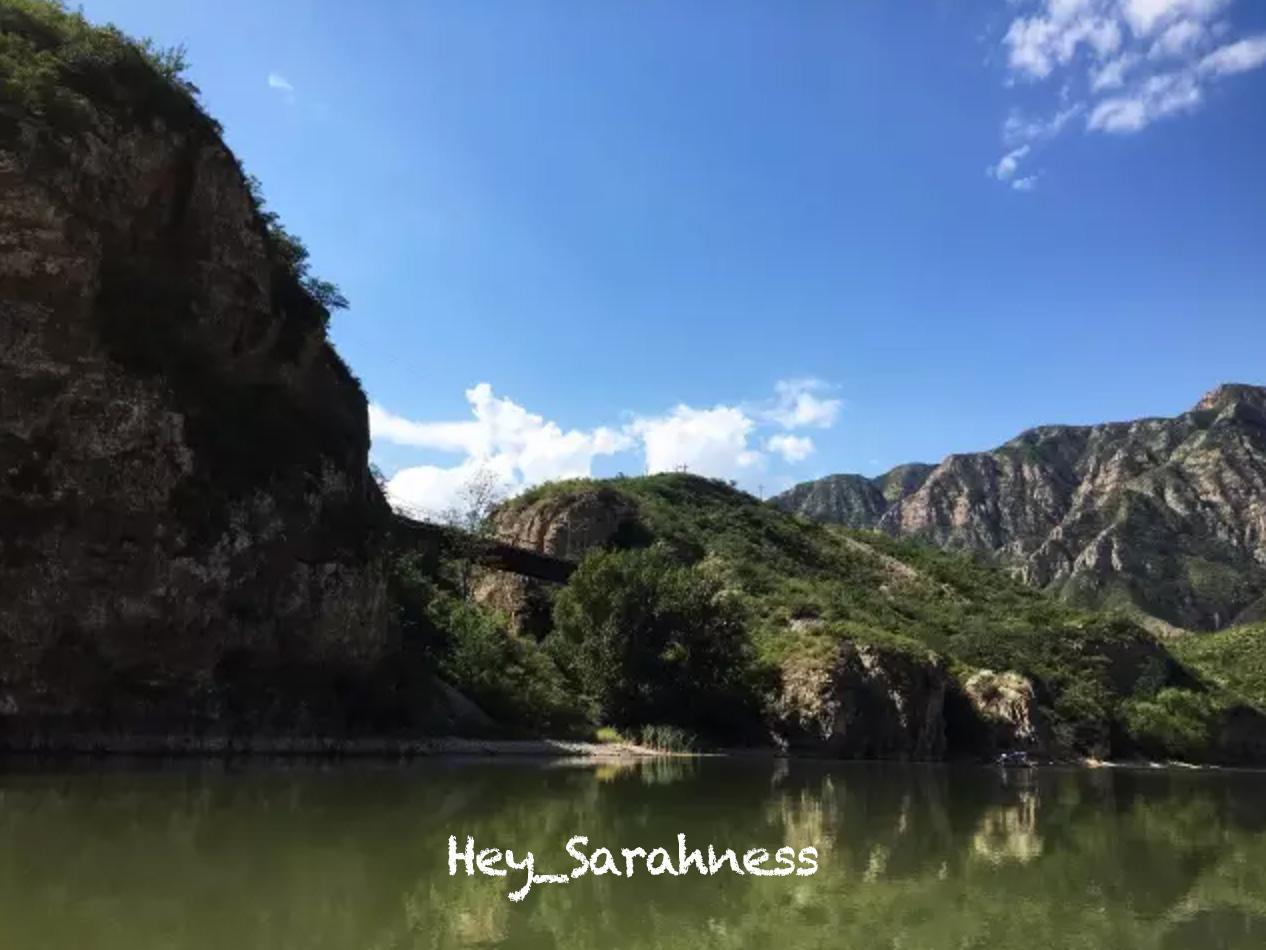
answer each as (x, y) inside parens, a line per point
(512, 678)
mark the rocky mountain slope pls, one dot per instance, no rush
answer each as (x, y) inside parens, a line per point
(190, 537)
(1163, 516)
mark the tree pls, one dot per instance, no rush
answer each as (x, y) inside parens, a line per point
(651, 641)
(477, 501)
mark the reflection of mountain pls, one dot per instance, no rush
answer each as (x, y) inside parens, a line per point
(912, 856)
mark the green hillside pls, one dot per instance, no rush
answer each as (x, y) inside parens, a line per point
(800, 588)
(1234, 659)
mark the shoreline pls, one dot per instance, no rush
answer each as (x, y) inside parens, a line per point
(211, 747)
(121, 747)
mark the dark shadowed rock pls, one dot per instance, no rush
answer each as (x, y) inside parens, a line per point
(865, 702)
(187, 514)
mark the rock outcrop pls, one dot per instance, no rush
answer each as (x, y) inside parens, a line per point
(864, 702)
(1165, 516)
(189, 527)
(565, 523)
(559, 523)
(1005, 704)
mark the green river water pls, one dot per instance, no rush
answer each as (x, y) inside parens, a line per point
(356, 856)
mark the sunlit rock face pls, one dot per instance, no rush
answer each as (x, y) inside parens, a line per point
(1165, 516)
(565, 523)
(1006, 705)
(183, 484)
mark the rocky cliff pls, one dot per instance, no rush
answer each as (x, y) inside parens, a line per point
(1165, 516)
(190, 536)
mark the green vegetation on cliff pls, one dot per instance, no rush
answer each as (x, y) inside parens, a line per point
(60, 69)
(1234, 659)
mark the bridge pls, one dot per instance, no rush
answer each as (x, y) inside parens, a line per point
(436, 539)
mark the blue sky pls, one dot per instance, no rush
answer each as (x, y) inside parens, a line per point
(763, 240)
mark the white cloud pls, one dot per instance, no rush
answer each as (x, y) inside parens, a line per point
(798, 404)
(1144, 16)
(1009, 164)
(1156, 98)
(1037, 44)
(792, 448)
(444, 436)
(1178, 40)
(280, 82)
(1019, 129)
(521, 448)
(1111, 75)
(1123, 63)
(432, 490)
(710, 442)
(1237, 57)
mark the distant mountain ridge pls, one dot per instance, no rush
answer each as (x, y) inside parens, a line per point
(1166, 516)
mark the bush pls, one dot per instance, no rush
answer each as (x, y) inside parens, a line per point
(648, 640)
(512, 678)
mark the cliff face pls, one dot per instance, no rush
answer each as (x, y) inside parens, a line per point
(183, 484)
(1165, 515)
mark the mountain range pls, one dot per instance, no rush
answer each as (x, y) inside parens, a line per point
(1163, 517)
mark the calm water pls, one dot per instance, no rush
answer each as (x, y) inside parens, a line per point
(356, 857)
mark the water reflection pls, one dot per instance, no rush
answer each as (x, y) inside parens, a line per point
(355, 856)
